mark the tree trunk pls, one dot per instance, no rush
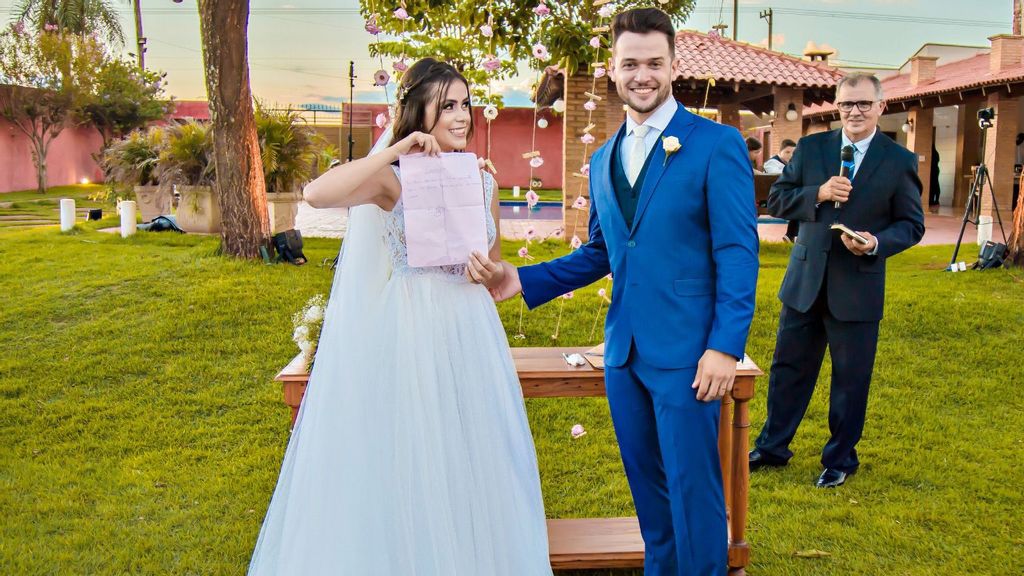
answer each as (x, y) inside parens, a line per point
(239, 181)
(39, 157)
(1016, 242)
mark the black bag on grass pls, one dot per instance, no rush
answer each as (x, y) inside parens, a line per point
(289, 246)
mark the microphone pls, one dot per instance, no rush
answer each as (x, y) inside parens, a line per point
(846, 157)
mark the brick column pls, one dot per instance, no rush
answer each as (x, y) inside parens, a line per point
(781, 127)
(573, 157)
(919, 141)
(729, 115)
(968, 140)
(1000, 154)
(615, 115)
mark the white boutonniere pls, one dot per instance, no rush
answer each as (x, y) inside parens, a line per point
(671, 145)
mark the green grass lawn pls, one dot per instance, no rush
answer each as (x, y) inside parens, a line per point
(30, 208)
(545, 194)
(141, 432)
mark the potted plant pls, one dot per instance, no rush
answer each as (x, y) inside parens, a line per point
(130, 163)
(186, 162)
(289, 152)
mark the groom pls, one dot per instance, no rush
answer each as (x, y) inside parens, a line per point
(676, 225)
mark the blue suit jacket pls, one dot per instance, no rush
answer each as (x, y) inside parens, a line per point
(685, 274)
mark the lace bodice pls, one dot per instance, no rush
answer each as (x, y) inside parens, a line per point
(394, 230)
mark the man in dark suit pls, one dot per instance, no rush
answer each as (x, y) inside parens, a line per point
(834, 286)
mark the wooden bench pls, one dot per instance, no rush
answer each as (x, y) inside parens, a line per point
(598, 543)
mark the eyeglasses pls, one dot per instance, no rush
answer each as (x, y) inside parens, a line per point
(862, 105)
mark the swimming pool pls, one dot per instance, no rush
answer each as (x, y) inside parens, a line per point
(515, 210)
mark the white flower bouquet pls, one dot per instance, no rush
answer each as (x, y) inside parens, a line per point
(307, 323)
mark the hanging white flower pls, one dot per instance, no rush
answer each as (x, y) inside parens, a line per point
(490, 112)
(314, 313)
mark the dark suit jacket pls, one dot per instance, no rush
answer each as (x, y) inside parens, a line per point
(886, 201)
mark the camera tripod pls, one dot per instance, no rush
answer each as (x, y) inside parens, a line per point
(972, 213)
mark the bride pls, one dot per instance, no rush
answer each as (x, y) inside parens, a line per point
(411, 455)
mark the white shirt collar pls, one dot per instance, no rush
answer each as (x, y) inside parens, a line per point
(657, 121)
(861, 146)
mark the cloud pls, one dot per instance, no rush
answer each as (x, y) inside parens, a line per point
(778, 41)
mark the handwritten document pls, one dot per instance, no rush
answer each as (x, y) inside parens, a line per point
(445, 216)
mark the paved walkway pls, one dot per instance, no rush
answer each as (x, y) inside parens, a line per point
(941, 228)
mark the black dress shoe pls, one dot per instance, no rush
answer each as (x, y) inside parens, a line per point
(831, 478)
(757, 460)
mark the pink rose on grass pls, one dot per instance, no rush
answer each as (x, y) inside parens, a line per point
(540, 52)
(595, 42)
(590, 105)
(585, 170)
(575, 243)
(587, 138)
(486, 31)
(602, 292)
(599, 72)
(492, 63)
(577, 431)
(580, 203)
(568, 295)
(371, 25)
(381, 78)
(523, 252)
(532, 198)
(401, 14)
(542, 9)
(536, 162)
(400, 66)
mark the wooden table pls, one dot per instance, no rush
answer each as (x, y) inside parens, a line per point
(589, 543)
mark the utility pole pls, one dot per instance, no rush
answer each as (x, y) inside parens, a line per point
(735, 18)
(769, 16)
(139, 38)
(351, 105)
(1017, 13)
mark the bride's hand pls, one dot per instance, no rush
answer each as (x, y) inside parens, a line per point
(482, 270)
(417, 142)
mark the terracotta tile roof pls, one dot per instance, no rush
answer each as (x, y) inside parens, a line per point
(702, 55)
(967, 74)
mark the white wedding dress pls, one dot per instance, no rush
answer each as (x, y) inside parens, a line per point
(411, 455)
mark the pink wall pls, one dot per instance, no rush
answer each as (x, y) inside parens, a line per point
(511, 134)
(69, 159)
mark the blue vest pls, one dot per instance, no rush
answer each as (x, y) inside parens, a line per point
(627, 195)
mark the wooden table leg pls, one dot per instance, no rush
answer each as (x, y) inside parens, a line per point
(739, 550)
(725, 442)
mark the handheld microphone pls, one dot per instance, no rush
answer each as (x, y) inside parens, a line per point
(846, 157)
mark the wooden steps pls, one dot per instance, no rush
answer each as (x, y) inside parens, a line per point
(589, 543)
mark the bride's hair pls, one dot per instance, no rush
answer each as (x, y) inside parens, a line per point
(424, 84)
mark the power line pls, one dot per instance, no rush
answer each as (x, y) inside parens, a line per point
(871, 16)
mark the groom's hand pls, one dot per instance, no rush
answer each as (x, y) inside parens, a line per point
(500, 278)
(716, 373)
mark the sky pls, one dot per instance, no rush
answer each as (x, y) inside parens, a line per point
(299, 50)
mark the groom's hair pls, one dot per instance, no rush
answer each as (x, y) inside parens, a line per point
(644, 21)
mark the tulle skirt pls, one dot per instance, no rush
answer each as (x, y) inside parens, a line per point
(411, 454)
